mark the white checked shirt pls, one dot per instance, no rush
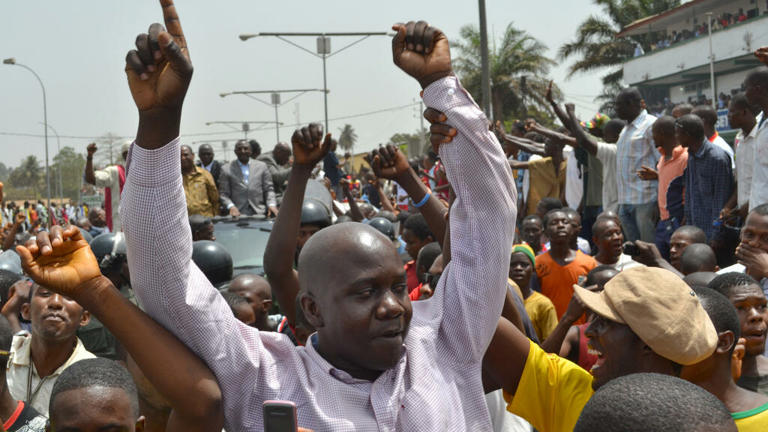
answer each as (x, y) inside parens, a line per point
(634, 149)
(759, 191)
(745, 159)
(436, 384)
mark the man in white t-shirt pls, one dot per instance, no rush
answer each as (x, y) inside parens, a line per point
(112, 179)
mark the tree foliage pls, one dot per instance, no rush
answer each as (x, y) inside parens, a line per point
(518, 71)
(347, 138)
(596, 46)
(71, 165)
(29, 175)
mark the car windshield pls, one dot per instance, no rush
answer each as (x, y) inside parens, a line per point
(245, 242)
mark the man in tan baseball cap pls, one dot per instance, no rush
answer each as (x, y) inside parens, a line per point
(646, 320)
(649, 320)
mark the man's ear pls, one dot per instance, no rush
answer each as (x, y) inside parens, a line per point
(725, 341)
(25, 311)
(312, 310)
(85, 318)
(140, 424)
(266, 305)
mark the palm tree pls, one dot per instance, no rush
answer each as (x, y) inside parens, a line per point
(518, 70)
(596, 46)
(347, 138)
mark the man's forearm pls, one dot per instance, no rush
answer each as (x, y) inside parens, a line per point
(555, 340)
(433, 210)
(186, 382)
(158, 128)
(281, 246)
(90, 176)
(354, 209)
(554, 135)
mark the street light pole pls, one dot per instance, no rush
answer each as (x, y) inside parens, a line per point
(12, 61)
(323, 50)
(485, 76)
(275, 100)
(60, 192)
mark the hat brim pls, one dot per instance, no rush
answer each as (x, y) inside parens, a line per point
(598, 303)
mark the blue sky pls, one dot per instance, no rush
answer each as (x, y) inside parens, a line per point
(78, 49)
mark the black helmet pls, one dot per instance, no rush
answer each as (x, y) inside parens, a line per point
(213, 260)
(383, 226)
(86, 235)
(314, 212)
(110, 251)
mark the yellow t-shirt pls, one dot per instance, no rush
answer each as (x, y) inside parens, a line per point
(541, 310)
(551, 393)
(754, 420)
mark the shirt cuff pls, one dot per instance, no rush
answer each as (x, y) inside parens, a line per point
(155, 167)
(230, 205)
(446, 94)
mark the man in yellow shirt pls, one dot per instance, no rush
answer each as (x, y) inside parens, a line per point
(647, 320)
(540, 309)
(199, 187)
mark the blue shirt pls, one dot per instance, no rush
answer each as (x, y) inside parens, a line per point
(634, 149)
(245, 170)
(708, 181)
(331, 168)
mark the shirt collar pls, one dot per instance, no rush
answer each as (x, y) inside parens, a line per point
(209, 166)
(713, 137)
(242, 165)
(704, 148)
(21, 352)
(639, 119)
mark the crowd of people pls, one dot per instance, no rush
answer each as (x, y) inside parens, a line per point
(720, 22)
(609, 275)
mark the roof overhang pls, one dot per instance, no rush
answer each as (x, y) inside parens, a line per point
(661, 21)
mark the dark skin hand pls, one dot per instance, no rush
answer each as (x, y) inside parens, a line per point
(421, 51)
(389, 163)
(354, 209)
(583, 139)
(650, 256)
(10, 237)
(554, 343)
(762, 54)
(90, 177)
(754, 259)
(63, 262)
(159, 71)
(309, 147)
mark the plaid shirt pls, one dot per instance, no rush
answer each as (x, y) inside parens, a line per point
(708, 181)
(634, 149)
(435, 386)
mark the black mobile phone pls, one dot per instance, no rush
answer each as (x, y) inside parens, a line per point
(280, 416)
(631, 249)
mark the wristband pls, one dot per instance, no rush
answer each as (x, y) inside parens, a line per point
(423, 201)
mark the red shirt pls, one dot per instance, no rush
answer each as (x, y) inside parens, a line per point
(412, 278)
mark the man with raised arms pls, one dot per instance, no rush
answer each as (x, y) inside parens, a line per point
(368, 367)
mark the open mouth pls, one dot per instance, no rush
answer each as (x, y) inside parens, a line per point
(53, 317)
(600, 358)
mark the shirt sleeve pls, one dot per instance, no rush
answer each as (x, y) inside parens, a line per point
(224, 188)
(471, 291)
(168, 284)
(213, 192)
(551, 393)
(105, 177)
(269, 188)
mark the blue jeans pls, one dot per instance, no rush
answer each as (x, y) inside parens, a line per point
(664, 231)
(638, 221)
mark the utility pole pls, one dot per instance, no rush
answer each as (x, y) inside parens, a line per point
(711, 63)
(323, 50)
(486, 80)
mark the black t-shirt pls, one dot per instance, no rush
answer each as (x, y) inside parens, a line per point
(25, 419)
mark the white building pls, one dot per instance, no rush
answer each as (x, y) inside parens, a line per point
(679, 71)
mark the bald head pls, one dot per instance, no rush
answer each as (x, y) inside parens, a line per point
(698, 257)
(257, 293)
(691, 125)
(758, 77)
(281, 153)
(682, 109)
(341, 253)
(251, 283)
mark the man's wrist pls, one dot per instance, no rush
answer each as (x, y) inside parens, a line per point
(425, 81)
(90, 293)
(158, 127)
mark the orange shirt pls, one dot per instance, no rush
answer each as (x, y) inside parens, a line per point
(557, 281)
(669, 170)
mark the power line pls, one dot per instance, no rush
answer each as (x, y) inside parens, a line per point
(364, 114)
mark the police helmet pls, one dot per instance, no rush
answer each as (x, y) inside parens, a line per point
(213, 260)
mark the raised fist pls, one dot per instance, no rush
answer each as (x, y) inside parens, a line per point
(91, 149)
(389, 162)
(421, 51)
(310, 145)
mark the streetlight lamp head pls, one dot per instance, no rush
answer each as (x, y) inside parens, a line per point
(245, 37)
(9, 61)
(223, 94)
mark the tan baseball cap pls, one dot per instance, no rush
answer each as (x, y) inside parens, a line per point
(660, 308)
